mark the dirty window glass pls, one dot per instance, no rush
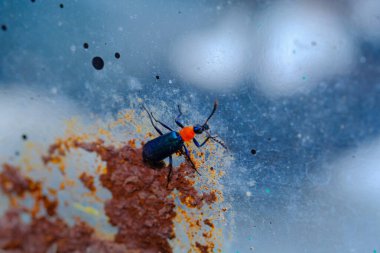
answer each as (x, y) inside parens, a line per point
(291, 161)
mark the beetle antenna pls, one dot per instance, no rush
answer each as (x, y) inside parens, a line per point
(212, 113)
(220, 142)
(216, 140)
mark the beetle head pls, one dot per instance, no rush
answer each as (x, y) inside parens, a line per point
(198, 129)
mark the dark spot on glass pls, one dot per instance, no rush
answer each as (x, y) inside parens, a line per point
(211, 168)
(97, 62)
(24, 137)
(32, 1)
(85, 45)
(269, 139)
(117, 55)
(4, 27)
(157, 77)
(61, 6)
(179, 12)
(253, 151)
(313, 43)
(17, 153)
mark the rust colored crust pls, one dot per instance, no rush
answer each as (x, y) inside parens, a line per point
(202, 248)
(208, 223)
(43, 233)
(13, 184)
(50, 235)
(142, 207)
(88, 181)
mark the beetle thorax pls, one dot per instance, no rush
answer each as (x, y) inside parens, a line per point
(187, 133)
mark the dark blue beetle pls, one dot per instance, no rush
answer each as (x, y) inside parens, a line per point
(156, 150)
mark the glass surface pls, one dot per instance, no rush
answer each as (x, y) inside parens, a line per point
(298, 91)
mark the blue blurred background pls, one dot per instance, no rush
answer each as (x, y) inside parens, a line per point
(298, 83)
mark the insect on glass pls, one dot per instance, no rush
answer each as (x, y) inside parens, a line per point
(156, 150)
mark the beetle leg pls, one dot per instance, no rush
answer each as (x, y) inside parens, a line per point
(212, 137)
(170, 170)
(188, 158)
(203, 143)
(177, 118)
(151, 120)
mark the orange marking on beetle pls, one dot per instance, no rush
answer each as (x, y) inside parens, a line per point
(187, 133)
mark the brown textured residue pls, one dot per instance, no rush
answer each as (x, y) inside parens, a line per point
(43, 234)
(143, 208)
(208, 223)
(50, 235)
(202, 248)
(140, 206)
(88, 181)
(13, 184)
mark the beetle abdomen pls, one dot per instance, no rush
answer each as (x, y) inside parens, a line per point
(161, 147)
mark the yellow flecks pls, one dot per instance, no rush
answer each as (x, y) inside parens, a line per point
(27, 164)
(62, 186)
(119, 122)
(13, 202)
(93, 196)
(52, 191)
(101, 169)
(132, 143)
(139, 129)
(103, 235)
(55, 160)
(105, 132)
(69, 182)
(86, 209)
(59, 161)
(61, 167)
(129, 115)
(189, 201)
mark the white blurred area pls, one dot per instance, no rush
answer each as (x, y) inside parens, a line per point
(40, 115)
(298, 45)
(44, 116)
(287, 48)
(365, 16)
(215, 58)
(357, 176)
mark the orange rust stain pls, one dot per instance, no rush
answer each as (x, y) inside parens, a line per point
(88, 181)
(104, 132)
(191, 199)
(100, 169)
(13, 184)
(62, 186)
(132, 143)
(52, 191)
(187, 133)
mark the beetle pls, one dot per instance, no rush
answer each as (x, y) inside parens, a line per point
(165, 145)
